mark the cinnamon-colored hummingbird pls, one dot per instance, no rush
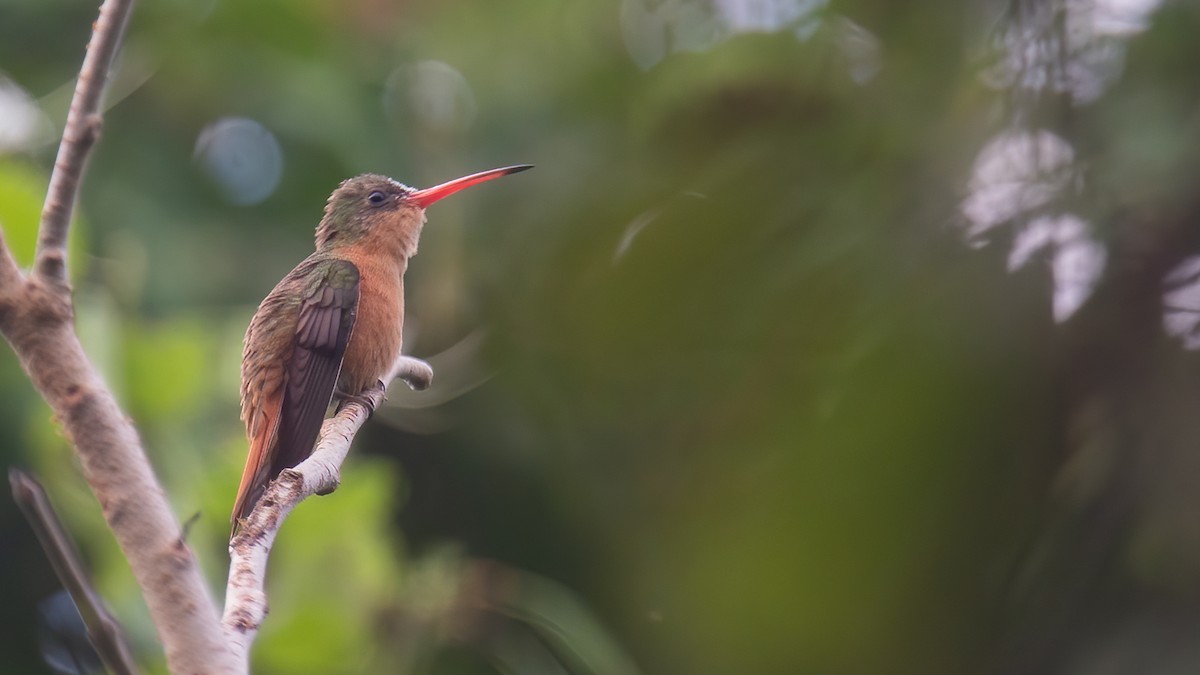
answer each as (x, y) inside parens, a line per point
(333, 326)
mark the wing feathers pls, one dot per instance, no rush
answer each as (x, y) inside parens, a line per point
(284, 403)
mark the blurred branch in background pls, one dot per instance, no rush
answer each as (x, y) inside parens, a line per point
(103, 629)
(562, 623)
(519, 621)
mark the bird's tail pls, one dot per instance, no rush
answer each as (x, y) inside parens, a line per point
(257, 473)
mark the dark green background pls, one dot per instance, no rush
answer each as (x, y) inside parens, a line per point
(728, 384)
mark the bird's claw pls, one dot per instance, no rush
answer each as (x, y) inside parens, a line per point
(417, 374)
(364, 398)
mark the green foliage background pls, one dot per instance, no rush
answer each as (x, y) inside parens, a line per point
(723, 387)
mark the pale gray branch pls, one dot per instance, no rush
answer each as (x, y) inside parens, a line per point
(417, 374)
(245, 596)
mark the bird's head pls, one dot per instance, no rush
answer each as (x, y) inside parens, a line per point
(372, 204)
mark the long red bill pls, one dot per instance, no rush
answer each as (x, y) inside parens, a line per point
(423, 198)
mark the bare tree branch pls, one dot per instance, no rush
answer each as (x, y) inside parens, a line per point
(246, 596)
(36, 317)
(80, 134)
(104, 631)
(39, 328)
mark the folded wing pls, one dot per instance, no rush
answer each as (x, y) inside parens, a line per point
(287, 384)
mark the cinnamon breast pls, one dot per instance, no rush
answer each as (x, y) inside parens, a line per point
(377, 337)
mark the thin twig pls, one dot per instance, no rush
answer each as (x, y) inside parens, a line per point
(80, 134)
(103, 629)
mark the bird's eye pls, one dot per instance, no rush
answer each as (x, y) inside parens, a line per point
(376, 198)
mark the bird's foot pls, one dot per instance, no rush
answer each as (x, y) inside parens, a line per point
(366, 398)
(417, 374)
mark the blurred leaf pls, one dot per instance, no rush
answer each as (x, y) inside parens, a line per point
(22, 189)
(168, 368)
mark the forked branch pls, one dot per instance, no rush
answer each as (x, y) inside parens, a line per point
(37, 319)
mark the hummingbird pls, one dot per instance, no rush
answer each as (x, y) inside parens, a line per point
(332, 328)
